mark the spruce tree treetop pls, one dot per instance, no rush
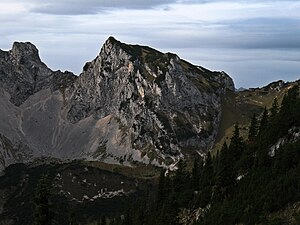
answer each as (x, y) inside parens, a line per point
(264, 121)
(274, 109)
(42, 213)
(236, 145)
(253, 128)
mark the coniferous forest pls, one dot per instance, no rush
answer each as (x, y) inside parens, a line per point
(246, 182)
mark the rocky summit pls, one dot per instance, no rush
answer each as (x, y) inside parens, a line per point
(130, 104)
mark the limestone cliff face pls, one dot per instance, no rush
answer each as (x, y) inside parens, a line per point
(162, 104)
(131, 103)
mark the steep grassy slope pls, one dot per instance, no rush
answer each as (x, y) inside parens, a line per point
(239, 107)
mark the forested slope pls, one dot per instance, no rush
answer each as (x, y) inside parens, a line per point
(250, 181)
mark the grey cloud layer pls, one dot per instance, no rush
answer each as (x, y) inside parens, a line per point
(75, 7)
(261, 33)
(224, 36)
(264, 33)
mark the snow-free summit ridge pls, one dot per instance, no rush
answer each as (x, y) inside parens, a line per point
(131, 103)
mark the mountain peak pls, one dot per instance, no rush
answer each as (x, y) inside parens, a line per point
(149, 106)
(154, 99)
(112, 44)
(111, 39)
(23, 73)
(135, 51)
(25, 51)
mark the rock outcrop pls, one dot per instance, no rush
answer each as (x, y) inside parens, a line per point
(131, 103)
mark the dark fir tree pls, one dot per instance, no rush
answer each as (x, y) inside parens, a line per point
(196, 172)
(103, 220)
(128, 220)
(181, 176)
(225, 173)
(236, 143)
(263, 125)
(42, 213)
(262, 157)
(253, 128)
(274, 109)
(207, 173)
(289, 111)
(72, 217)
(162, 189)
(206, 182)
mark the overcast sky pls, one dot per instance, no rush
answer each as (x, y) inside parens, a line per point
(255, 42)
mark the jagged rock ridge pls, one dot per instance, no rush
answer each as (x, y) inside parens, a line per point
(22, 73)
(131, 103)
